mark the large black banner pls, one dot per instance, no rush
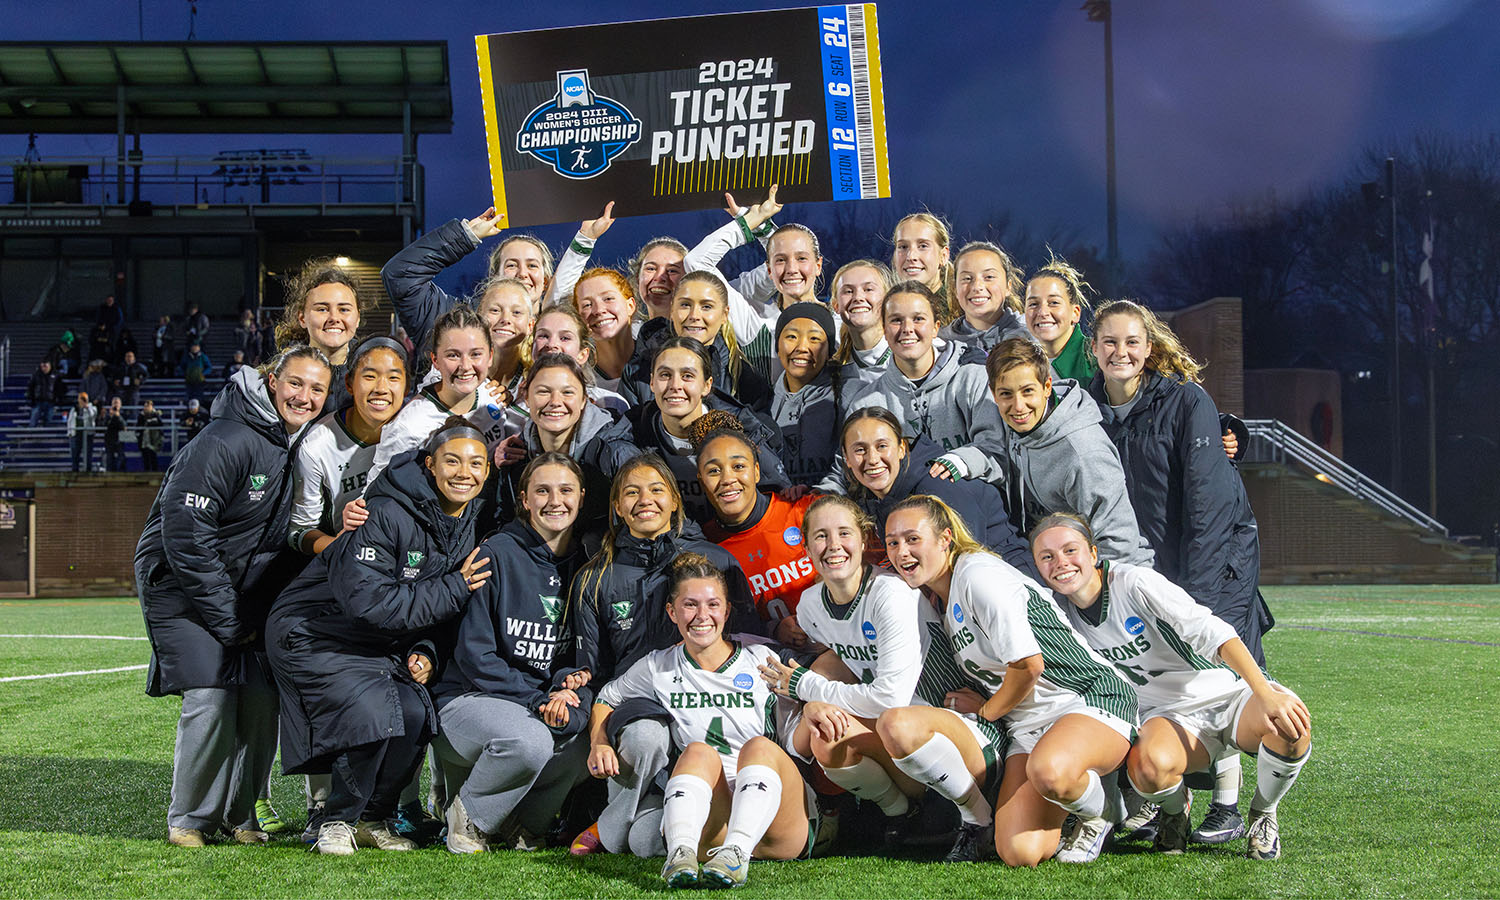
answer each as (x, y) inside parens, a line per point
(667, 115)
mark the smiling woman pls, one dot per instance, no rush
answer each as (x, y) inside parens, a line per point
(323, 309)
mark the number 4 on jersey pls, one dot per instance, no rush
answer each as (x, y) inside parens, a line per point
(715, 736)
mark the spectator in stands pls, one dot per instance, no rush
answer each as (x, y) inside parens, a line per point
(102, 343)
(81, 432)
(193, 421)
(163, 348)
(247, 338)
(114, 437)
(64, 355)
(125, 343)
(196, 325)
(43, 391)
(110, 317)
(235, 365)
(126, 379)
(95, 383)
(148, 435)
(195, 369)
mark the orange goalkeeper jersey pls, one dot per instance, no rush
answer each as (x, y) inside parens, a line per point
(773, 553)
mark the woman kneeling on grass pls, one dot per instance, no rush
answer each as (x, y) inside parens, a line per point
(1069, 714)
(352, 640)
(1200, 690)
(733, 785)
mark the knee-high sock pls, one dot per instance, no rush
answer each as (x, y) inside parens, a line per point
(1274, 776)
(868, 780)
(686, 811)
(1172, 800)
(1090, 804)
(939, 765)
(1227, 777)
(757, 797)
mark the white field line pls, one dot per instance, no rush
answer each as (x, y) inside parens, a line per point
(69, 674)
(81, 637)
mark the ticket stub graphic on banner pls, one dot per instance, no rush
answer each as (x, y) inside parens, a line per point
(666, 115)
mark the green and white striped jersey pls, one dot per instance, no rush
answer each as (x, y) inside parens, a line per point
(876, 635)
(1165, 643)
(996, 615)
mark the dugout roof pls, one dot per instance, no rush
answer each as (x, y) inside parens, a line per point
(269, 87)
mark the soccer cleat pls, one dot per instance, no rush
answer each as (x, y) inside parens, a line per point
(380, 836)
(1084, 844)
(336, 839)
(1171, 833)
(898, 828)
(588, 842)
(463, 836)
(404, 822)
(681, 870)
(1141, 826)
(726, 867)
(1222, 825)
(248, 836)
(1265, 836)
(186, 837)
(968, 845)
(314, 822)
(266, 817)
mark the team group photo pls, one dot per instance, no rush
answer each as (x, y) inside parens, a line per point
(748, 448)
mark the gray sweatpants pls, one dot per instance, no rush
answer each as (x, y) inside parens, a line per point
(226, 743)
(631, 821)
(501, 754)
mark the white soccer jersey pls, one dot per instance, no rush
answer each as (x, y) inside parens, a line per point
(424, 414)
(996, 615)
(876, 635)
(1164, 642)
(723, 708)
(332, 469)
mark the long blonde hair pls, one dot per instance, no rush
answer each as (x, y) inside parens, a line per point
(845, 353)
(726, 330)
(944, 518)
(944, 238)
(1168, 356)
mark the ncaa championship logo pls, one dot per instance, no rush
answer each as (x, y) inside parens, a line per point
(578, 132)
(743, 681)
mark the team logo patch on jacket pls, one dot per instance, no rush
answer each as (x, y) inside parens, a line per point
(257, 487)
(413, 566)
(552, 607)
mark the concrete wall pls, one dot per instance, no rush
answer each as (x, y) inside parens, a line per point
(1309, 400)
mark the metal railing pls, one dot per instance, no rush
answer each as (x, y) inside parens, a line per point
(4, 360)
(52, 442)
(1272, 440)
(181, 182)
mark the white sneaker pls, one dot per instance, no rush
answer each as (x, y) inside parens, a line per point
(1264, 836)
(1084, 844)
(380, 836)
(463, 836)
(336, 839)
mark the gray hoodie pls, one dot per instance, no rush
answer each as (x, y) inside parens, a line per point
(951, 407)
(1009, 326)
(809, 421)
(1068, 464)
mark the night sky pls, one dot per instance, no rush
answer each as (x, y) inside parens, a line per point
(991, 112)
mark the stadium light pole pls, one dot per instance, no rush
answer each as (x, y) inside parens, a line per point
(1101, 11)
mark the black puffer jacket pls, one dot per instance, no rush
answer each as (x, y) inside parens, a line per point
(601, 445)
(978, 503)
(1189, 500)
(619, 611)
(339, 635)
(749, 388)
(514, 640)
(408, 275)
(648, 433)
(204, 559)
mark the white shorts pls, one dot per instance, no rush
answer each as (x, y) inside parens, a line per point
(1024, 735)
(1214, 722)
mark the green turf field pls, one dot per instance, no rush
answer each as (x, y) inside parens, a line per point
(1401, 798)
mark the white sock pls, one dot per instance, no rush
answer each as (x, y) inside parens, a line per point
(1274, 776)
(1172, 800)
(757, 797)
(686, 811)
(939, 765)
(868, 780)
(1090, 804)
(1227, 778)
